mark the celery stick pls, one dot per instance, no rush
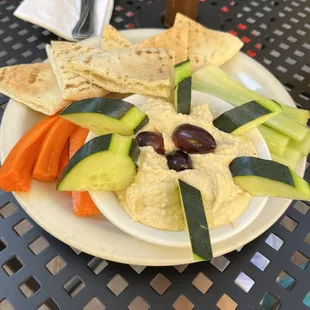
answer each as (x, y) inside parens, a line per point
(296, 119)
(216, 77)
(303, 147)
(289, 127)
(292, 155)
(220, 92)
(297, 114)
(283, 161)
(276, 141)
(216, 82)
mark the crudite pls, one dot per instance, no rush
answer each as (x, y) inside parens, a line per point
(153, 197)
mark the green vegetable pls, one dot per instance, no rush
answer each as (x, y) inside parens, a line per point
(289, 127)
(105, 163)
(283, 161)
(298, 115)
(243, 118)
(303, 147)
(196, 222)
(106, 115)
(214, 81)
(277, 142)
(290, 157)
(261, 177)
(182, 87)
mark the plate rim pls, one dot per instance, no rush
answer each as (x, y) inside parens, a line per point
(151, 262)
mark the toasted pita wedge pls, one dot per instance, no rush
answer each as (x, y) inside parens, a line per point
(72, 86)
(143, 71)
(175, 39)
(112, 39)
(206, 46)
(34, 85)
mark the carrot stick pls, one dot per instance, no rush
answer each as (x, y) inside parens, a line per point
(82, 203)
(15, 173)
(64, 158)
(77, 139)
(46, 166)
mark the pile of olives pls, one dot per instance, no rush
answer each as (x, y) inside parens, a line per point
(189, 139)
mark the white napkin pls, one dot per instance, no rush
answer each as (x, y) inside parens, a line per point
(61, 16)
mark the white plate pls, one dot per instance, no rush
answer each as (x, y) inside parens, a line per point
(111, 208)
(53, 211)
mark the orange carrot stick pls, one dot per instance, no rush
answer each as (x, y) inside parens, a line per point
(82, 203)
(77, 139)
(64, 158)
(46, 166)
(15, 173)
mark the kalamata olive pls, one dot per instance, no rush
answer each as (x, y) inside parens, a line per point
(151, 138)
(193, 140)
(178, 161)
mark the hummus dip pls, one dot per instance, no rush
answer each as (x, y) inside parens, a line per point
(153, 198)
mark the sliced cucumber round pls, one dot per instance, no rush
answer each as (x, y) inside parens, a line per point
(105, 163)
(106, 115)
(240, 119)
(261, 177)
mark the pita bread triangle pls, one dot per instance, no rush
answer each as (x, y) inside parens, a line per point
(112, 39)
(143, 71)
(175, 38)
(72, 86)
(206, 46)
(34, 85)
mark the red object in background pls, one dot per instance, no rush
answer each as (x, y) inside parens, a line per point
(242, 26)
(130, 26)
(251, 53)
(233, 32)
(225, 9)
(246, 39)
(130, 14)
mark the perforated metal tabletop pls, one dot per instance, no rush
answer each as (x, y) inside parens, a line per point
(273, 272)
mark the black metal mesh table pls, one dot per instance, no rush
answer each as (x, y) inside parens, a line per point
(39, 272)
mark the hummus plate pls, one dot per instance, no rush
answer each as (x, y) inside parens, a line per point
(53, 211)
(111, 208)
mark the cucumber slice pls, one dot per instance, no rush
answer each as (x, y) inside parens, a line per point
(196, 222)
(261, 177)
(240, 119)
(303, 147)
(182, 87)
(276, 141)
(106, 115)
(105, 163)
